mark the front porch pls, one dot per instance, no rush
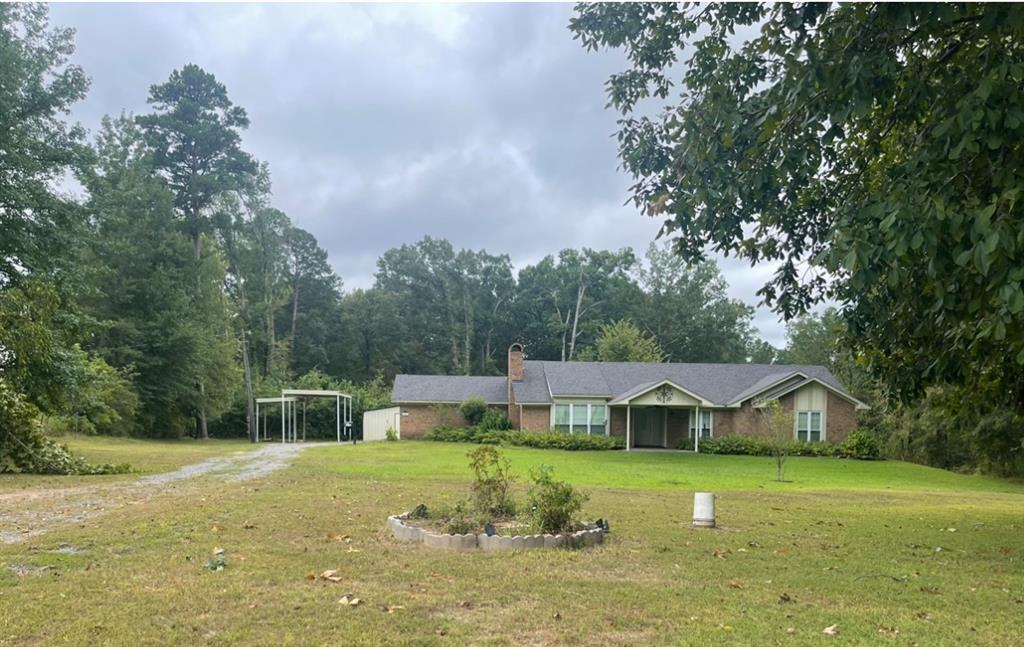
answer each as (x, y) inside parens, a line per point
(660, 426)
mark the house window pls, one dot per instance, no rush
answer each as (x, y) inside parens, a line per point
(706, 424)
(581, 419)
(563, 417)
(808, 426)
(598, 416)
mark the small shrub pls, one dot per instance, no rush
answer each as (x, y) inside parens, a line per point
(460, 520)
(473, 410)
(553, 504)
(492, 482)
(494, 420)
(860, 445)
(390, 434)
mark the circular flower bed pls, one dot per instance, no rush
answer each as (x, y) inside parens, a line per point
(490, 519)
(403, 529)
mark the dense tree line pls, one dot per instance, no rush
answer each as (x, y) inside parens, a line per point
(171, 292)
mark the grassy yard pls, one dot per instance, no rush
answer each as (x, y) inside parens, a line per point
(891, 553)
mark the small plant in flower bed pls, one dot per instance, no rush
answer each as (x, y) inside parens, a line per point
(535, 439)
(553, 505)
(858, 445)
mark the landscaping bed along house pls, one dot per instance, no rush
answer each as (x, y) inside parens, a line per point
(490, 519)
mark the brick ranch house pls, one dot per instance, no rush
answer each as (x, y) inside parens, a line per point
(648, 404)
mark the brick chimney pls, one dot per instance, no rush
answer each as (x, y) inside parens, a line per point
(515, 363)
(515, 374)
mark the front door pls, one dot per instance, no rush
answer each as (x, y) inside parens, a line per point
(648, 427)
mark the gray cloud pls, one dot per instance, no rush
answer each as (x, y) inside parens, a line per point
(381, 124)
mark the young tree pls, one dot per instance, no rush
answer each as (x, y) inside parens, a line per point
(622, 341)
(779, 425)
(869, 149)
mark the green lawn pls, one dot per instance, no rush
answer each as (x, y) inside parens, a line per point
(891, 553)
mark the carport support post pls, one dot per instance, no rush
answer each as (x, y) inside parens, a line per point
(303, 421)
(257, 422)
(282, 417)
(337, 416)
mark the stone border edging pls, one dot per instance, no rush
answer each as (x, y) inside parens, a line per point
(413, 535)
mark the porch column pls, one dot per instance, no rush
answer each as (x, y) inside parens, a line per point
(257, 422)
(283, 412)
(337, 416)
(628, 443)
(696, 436)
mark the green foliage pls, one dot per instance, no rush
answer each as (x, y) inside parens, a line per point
(779, 424)
(514, 438)
(866, 148)
(36, 145)
(100, 399)
(622, 341)
(956, 428)
(473, 410)
(494, 420)
(390, 434)
(24, 448)
(492, 481)
(553, 504)
(860, 445)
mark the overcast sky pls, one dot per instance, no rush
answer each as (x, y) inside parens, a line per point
(482, 124)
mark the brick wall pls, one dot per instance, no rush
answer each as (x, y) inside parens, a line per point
(418, 419)
(840, 420)
(536, 418)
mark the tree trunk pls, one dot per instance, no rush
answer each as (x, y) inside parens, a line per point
(295, 310)
(202, 433)
(582, 290)
(250, 413)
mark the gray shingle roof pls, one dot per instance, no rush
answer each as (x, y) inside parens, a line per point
(722, 384)
(449, 388)
(718, 383)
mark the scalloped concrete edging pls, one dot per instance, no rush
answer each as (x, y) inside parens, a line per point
(412, 535)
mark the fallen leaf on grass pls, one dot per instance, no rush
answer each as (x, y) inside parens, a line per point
(784, 598)
(790, 630)
(736, 584)
(394, 608)
(888, 631)
(720, 554)
(330, 575)
(311, 577)
(349, 601)
(831, 630)
(466, 604)
(218, 552)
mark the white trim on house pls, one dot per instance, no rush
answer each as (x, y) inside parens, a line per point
(620, 400)
(849, 398)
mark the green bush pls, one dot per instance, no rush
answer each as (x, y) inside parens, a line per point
(535, 439)
(390, 434)
(860, 445)
(494, 420)
(492, 483)
(999, 443)
(553, 504)
(473, 410)
(24, 448)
